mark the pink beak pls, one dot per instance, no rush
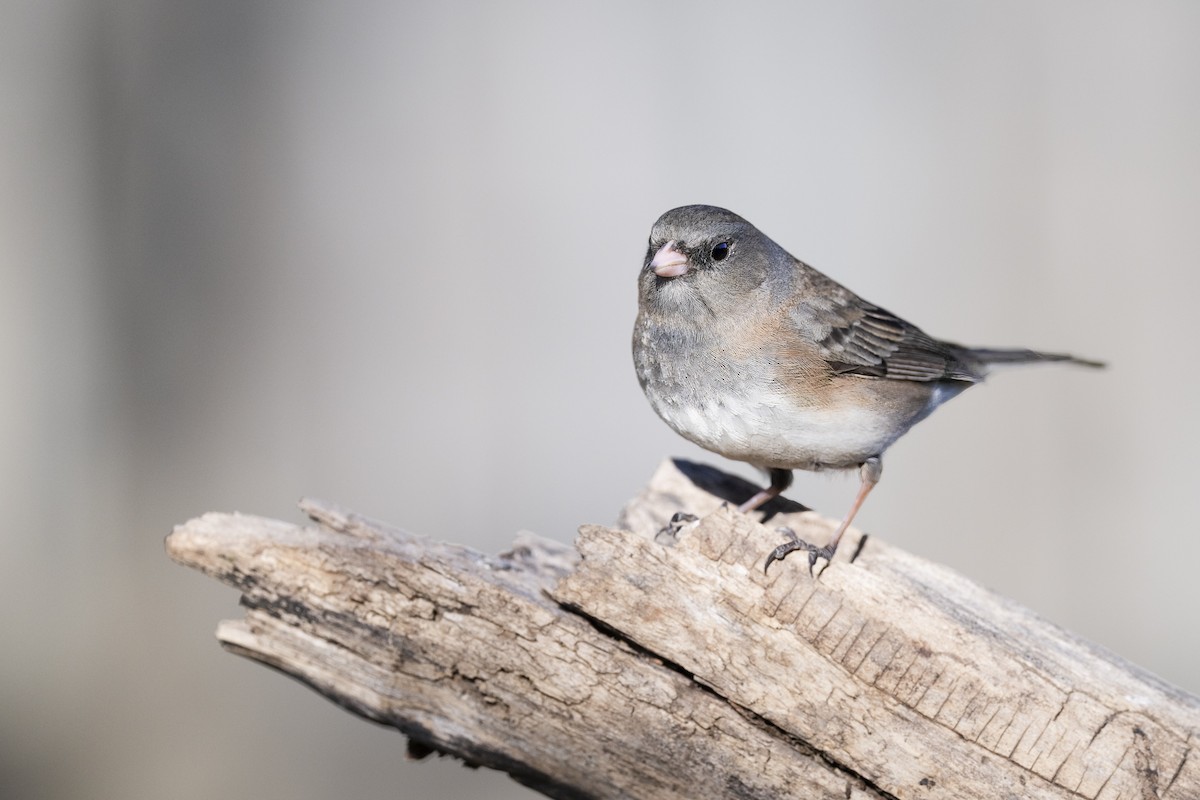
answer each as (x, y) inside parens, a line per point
(669, 262)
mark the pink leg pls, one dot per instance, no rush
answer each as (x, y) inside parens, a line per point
(781, 479)
(869, 474)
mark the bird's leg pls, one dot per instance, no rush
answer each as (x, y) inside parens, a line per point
(869, 474)
(781, 479)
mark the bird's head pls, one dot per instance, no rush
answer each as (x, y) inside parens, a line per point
(702, 261)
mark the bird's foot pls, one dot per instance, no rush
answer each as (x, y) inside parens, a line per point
(795, 543)
(670, 532)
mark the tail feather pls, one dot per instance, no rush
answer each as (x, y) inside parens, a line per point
(996, 357)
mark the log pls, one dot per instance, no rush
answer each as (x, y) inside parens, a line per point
(648, 665)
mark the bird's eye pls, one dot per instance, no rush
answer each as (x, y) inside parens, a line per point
(720, 251)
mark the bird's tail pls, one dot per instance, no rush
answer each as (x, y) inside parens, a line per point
(990, 357)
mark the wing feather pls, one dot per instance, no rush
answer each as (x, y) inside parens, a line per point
(859, 338)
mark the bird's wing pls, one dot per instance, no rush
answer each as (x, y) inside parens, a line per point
(859, 338)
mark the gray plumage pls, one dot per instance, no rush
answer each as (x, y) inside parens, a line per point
(753, 354)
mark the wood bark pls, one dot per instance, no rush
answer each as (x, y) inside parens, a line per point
(645, 665)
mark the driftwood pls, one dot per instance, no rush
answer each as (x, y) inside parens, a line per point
(653, 667)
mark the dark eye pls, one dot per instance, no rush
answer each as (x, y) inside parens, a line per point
(720, 251)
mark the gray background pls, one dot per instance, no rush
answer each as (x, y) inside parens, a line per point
(384, 254)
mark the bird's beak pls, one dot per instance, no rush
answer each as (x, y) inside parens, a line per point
(669, 262)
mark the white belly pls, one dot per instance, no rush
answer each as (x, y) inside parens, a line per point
(788, 438)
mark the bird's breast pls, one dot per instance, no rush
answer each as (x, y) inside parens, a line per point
(748, 409)
(772, 433)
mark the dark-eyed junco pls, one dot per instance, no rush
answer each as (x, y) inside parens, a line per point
(753, 354)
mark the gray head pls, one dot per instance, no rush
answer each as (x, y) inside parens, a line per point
(704, 260)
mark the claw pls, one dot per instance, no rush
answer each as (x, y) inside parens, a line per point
(778, 554)
(869, 475)
(815, 553)
(795, 543)
(670, 532)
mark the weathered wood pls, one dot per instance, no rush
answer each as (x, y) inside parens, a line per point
(634, 667)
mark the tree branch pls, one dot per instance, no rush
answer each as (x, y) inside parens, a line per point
(653, 667)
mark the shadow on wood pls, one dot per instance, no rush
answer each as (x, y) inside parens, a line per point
(626, 668)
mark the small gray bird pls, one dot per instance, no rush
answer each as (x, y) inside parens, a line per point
(753, 354)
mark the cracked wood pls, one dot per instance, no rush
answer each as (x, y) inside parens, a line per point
(658, 666)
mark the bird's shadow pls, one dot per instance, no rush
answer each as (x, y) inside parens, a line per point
(733, 489)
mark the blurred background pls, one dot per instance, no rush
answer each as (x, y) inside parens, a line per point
(384, 254)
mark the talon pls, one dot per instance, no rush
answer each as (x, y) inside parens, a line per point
(815, 553)
(779, 553)
(682, 520)
(679, 520)
(795, 543)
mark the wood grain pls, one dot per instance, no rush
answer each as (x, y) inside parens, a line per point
(650, 666)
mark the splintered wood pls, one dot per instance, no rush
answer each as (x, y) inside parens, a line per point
(651, 666)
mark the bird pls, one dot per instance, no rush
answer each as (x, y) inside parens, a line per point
(750, 353)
